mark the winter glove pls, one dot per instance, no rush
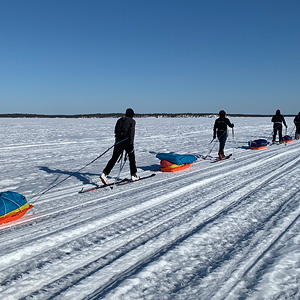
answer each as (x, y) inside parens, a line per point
(214, 136)
(130, 149)
(232, 125)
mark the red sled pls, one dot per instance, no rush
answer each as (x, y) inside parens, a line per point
(287, 139)
(14, 216)
(175, 169)
(259, 144)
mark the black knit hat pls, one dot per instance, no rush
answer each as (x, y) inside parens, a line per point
(222, 113)
(129, 112)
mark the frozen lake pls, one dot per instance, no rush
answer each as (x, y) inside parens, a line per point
(225, 230)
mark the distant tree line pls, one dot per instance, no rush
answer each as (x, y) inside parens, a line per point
(118, 115)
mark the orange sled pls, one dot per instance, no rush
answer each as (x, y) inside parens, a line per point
(259, 148)
(175, 169)
(287, 139)
(14, 215)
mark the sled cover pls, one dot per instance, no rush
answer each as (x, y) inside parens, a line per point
(258, 143)
(178, 159)
(287, 138)
(12, 206)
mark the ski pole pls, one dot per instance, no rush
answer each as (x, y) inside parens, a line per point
(214, 144)
(211, 148)
(292, 130)
(101, 154)
(211, 141)
(270, 135)
(41, 193)
(233, 140)
(122, 164)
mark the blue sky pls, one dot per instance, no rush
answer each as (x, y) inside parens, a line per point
(88, 56)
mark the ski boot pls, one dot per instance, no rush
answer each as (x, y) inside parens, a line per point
(134, 177)
(103, 178)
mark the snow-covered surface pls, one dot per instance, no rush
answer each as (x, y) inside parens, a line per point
(225, 230)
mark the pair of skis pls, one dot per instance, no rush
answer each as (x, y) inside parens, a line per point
(116, 183)
(220, 159)
(126, 180)
(214, 159)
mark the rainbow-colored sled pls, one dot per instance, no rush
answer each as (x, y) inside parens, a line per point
(172, 162)
(12, 206)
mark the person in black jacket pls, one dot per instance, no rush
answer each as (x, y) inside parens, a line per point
(124, 133)
(220, 130)
(278, 119)
(297, 124)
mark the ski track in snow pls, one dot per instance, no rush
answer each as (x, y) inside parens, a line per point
(228, 230)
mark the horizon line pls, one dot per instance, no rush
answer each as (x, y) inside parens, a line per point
(137, 115)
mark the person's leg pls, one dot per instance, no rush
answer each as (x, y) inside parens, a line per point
(132, 163)
(275, 129)
(297, 134)
(131, 157)
(280, 133)
(118, 149)
(222, 139)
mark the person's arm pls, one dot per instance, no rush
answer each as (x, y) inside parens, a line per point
(231, 125)
(283, 120)
(131, 133)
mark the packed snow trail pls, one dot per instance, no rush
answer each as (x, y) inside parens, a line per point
(215, 231)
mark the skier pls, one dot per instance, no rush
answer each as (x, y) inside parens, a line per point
(220, 130)
(278, 119)
(124, 129)
(297, 124)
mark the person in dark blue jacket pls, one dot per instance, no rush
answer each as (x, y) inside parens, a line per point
(220, 130)
(278, 119)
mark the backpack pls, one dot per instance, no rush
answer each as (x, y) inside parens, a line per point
(121, 129)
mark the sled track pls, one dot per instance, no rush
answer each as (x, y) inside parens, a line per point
(79, 220)
(242, 272)
(119, 193)
(208, 171)
(258, 260)
(104, 290)
(139, 240)
(266, 154)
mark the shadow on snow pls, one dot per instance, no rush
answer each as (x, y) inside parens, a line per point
(83, 177)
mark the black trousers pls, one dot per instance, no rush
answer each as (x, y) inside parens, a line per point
(118, 150)
(277, 129)
(297, 133)
(222, 136)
